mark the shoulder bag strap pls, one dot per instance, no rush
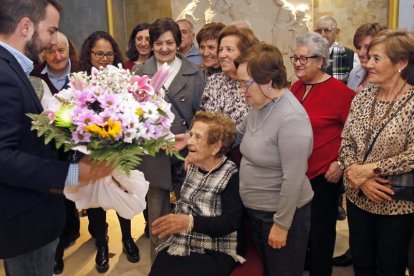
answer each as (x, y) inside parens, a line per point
(383, 126)
(180, 113)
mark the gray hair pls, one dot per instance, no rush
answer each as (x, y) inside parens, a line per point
(188, 22)
(328, 18)
(317, 44)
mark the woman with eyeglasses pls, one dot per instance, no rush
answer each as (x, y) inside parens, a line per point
(276, 142)
(100, 50)
(327, 102)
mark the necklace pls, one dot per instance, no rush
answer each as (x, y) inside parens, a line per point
(385, 115)
(256, 127)
(214, 168)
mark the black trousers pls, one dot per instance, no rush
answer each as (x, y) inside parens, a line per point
(289, 260)
(322, 236)
(379, 244)
(207, 264)
(71, 228)
(98, 227)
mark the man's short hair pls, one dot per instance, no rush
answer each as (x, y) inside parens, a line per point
(329, 18)
(12, 11)
(187, 21)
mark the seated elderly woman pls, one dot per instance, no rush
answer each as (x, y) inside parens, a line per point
(203, 237)
(378, 150)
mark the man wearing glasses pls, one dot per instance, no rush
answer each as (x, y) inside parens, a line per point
(341, 59)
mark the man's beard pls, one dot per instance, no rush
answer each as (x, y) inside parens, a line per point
(33, 48)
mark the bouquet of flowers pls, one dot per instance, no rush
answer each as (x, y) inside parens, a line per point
(112, 116)
(116, 116)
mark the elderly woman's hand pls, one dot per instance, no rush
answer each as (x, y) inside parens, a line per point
(334, 173)
(170, 224)
(277, 237)
(375, 190)
(359, 174)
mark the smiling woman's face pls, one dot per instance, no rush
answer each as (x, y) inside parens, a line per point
(228, 53)
(165, 48)
(102, 46)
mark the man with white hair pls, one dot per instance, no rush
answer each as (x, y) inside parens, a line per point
(341, 58)
(187, 47)
(54, 71)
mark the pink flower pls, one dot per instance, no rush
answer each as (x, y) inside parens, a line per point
(81, 137)
(108, 100)
(83, 117)
(78, 82)
(143, 84)
(160, 77)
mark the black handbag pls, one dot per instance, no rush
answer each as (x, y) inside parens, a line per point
(401, 184)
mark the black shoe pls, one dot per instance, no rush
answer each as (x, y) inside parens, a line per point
(341, 213)
(131, 250)
(58, 267)
(102, 259)
(342, 260)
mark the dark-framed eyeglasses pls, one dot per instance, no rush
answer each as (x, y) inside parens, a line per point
(324, 30)
(108, 55)
(246, 85)
(302, 59)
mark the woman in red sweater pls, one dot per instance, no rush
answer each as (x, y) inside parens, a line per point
(327, 101)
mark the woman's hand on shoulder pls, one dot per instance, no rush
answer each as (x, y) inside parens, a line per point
(277, 237)
(334, 173)
(375, 190)
(170, 224)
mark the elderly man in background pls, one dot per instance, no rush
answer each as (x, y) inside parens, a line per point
(187, 47)
(54, 71)
(341, 58)
(58, 65)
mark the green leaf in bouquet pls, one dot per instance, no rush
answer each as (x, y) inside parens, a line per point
(126, 157)
(61, 136)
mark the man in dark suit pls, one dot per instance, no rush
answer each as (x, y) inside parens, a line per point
(31, 177)
(55, 72)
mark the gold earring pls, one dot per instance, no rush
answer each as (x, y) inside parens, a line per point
(399, 70)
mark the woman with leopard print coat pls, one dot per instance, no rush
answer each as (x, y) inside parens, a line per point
(378, 142)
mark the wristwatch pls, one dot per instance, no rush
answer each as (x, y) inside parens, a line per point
(341, 165)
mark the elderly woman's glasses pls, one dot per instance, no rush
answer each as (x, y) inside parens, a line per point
(246, 85)
(323, 30)
(109, 55)
(302, 59)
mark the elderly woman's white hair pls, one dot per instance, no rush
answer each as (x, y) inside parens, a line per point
(317, 44)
